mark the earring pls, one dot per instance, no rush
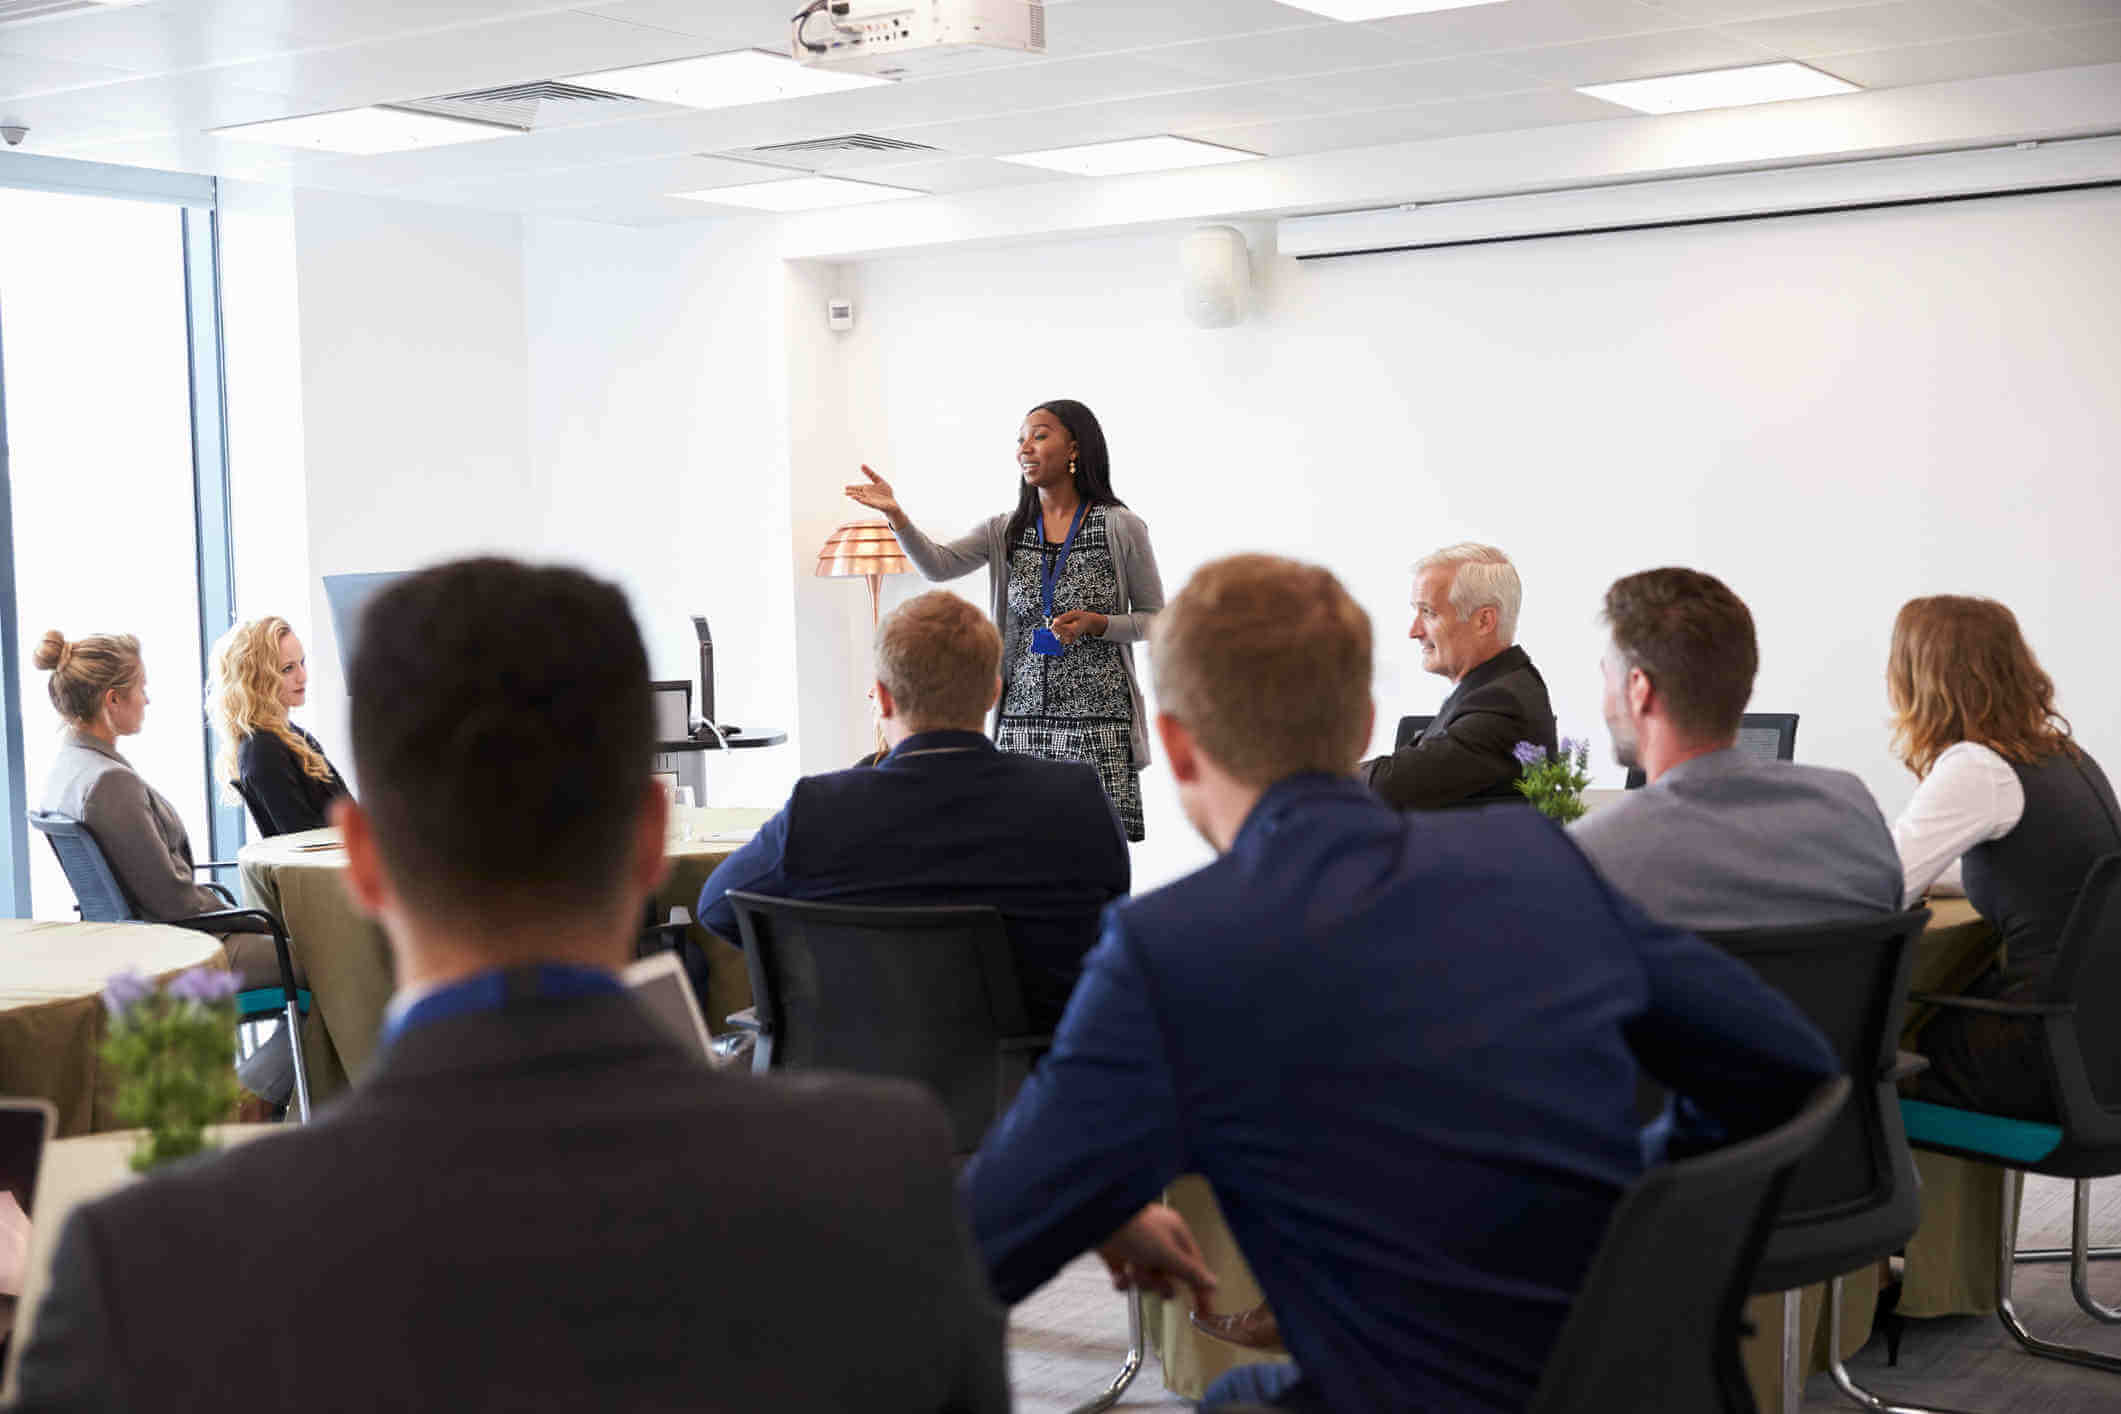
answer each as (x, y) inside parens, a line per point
(1071, 464)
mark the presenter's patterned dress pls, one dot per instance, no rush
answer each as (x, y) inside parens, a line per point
(1075, 707)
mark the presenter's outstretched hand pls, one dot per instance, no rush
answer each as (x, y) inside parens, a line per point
(875, 493)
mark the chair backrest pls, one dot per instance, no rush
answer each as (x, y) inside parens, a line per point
(97, 896)
(926, 994)
(1690, 1232)
(1764, 736)
(258, 816)
(1856, 1197)
(1410, 728)
(2088, 976)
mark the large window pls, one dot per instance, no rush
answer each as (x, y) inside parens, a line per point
(110, 386)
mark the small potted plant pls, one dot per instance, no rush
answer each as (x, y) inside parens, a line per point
(171, 1051)
(1555, 784)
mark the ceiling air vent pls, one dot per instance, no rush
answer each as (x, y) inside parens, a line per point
(530, 105)
(845, 142)
(22, 11)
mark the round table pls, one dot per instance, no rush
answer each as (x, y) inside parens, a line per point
(51, 1005)
(297, 878)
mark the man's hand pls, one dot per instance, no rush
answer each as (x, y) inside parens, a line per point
(1156, 1251)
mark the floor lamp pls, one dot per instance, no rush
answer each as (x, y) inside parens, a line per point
(868, 549)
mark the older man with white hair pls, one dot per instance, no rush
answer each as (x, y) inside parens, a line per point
(1465, 619)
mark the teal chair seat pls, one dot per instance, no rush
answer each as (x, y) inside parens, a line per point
(2017, 1141)
(258, 1003)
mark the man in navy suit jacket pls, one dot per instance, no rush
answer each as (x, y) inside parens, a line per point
(1402, 1048)
(945, 818)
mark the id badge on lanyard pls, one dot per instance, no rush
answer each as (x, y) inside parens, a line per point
(1044, 640)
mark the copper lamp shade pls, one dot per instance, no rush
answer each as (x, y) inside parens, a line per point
(864, 548)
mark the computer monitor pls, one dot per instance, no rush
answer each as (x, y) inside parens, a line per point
(673, 709)
(348, 595)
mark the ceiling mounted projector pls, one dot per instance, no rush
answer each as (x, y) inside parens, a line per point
(910, 38)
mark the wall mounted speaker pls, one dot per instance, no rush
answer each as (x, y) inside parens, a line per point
(1217, 267)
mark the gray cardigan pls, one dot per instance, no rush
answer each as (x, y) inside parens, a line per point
(1141, 589)
(139, 832)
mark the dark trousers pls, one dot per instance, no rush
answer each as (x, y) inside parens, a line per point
(1274, 1386)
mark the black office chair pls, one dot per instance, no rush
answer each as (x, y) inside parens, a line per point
(2084, 1077)
(1410, 728)
(926, 994)
(98, 898)
(1764, 736)
(1855, 1200)
(1692, 1232)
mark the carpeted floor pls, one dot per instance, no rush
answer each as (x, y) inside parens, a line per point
(1065, 1343)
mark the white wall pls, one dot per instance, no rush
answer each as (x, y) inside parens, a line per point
(415, 415)
(1833, 413)
(658, 442)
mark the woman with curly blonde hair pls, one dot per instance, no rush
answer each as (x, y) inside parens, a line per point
(259, 673)
(2019, 806)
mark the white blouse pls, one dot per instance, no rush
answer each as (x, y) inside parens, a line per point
(1970, 796)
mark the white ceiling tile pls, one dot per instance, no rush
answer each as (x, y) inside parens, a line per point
(1722, 12)
(1518, 110)
(1107, 122)
(732, 24)
(172, 104)
(1050, 84)
(960, 174)
(1435, 81)
(1331, 133)
(426, 65)
(1637, 56)
(1315, 50)
(1111, 26)
(23, 74)
(1964, 58)
(2061, 12)
(1875, 27)
(1521, 24)
(2091, 44)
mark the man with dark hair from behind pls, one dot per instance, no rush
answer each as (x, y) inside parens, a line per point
(1450, 1009)
(1718, 840)
(535, 1200)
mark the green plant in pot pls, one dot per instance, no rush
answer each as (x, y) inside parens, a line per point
(170, 1050)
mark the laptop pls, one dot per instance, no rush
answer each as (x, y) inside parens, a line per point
(658, 982)
(25, 1126)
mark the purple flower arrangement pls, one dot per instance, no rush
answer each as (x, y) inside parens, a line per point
(1554, 784)
(172, 1051)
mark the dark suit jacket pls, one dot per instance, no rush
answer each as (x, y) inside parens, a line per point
(1404, 1052)
(549, 1207)
(947, 819)
(1464, 755)
(282, 796)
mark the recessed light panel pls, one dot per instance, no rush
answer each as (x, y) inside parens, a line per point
(800, 194)
(364, 132)
(725, 80)
(1379, 9)
(1138, 154)
(1720, 88)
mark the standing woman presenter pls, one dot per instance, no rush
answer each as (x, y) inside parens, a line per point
(1074, 587)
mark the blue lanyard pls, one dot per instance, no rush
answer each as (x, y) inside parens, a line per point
(1049, 575)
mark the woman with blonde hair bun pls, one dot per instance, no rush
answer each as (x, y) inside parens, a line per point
(99, 686)
(2008, 796)
(259, 672)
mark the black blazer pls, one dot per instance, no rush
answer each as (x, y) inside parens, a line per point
(283, 798)
(1464, 755)
(948, 819)
(545, 1208)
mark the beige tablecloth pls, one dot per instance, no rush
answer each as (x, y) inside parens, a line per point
(52, 1021)
(1959, 1221)
(347, 960)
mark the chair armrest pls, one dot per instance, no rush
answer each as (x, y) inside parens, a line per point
(2023, 1010)
(745, 1020)
(1042, 1042)
(1907, 1065)
(222, 891)
(201, 868)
